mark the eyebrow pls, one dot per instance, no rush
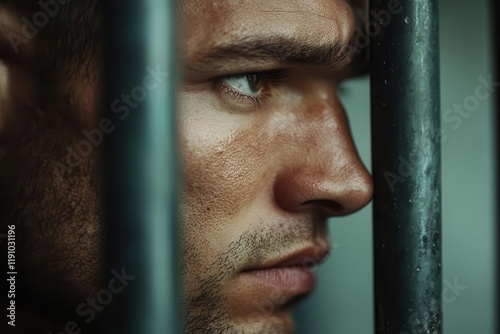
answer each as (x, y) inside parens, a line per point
(278, 51)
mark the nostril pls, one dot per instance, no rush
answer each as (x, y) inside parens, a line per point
(332, 206)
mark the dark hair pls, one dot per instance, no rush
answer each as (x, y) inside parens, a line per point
(69, 40)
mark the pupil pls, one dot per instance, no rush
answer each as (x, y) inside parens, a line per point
(253, 82)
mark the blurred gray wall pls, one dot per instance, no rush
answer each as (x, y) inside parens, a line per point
(343, 302)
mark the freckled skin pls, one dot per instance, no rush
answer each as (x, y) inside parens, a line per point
(258, 183)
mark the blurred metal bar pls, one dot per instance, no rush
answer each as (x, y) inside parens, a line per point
(140, 165)
(406, 166)
(495, 6)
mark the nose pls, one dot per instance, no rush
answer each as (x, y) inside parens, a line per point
(324, 173)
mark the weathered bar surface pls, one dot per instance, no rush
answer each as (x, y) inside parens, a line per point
(139, 166)
(405, 98)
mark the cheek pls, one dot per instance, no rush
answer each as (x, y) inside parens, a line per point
(220, 168)
(220, 159)
(220, 179)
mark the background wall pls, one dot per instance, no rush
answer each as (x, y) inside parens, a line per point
(343, 302)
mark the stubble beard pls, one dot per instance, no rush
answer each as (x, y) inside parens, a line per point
(204, 306)
(58, 250)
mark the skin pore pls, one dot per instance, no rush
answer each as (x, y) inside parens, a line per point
(266, 152)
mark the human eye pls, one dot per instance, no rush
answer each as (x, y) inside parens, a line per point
(242, 89)
(248, 84)
(250, 89)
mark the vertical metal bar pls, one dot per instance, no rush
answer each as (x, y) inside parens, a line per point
(406, 167)
(495, 6)
(140, 166)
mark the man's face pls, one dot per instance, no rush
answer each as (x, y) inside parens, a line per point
(267, 156)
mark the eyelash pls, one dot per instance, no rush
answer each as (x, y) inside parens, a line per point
(273, 77)
(239, 96)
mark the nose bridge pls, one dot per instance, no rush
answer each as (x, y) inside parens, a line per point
(321, 165)
(324, 136)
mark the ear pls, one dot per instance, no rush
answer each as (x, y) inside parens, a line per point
(17, 77)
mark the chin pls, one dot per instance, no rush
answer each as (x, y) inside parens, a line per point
(278, 323)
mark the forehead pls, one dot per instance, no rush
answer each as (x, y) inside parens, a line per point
(208, 23)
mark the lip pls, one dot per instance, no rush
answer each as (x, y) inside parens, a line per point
(291, 274)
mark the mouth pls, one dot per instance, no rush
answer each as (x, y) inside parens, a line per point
(293, 274)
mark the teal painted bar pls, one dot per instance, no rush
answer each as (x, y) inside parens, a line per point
(140, 165)
(162, 164)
